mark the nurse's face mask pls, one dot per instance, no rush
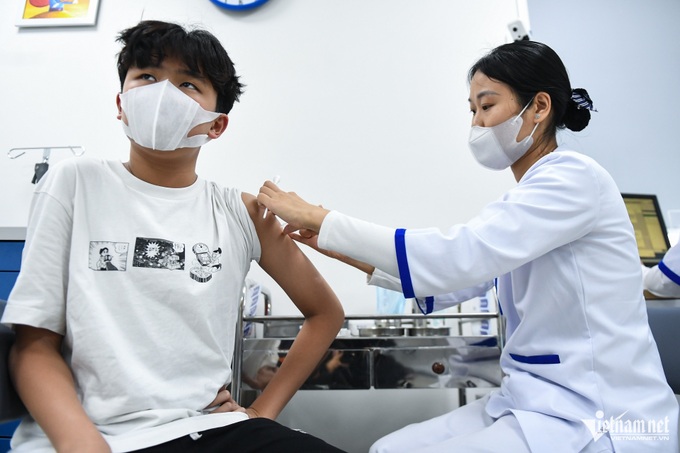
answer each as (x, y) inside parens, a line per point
(160, 117)
(496, 147)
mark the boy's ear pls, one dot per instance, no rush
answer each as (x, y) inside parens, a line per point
(120, 109)
(218, 126)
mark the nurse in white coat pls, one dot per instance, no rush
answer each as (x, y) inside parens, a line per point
(581, 369)
(663, 280)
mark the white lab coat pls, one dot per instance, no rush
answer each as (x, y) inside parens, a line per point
(561, 245)
(663, 280)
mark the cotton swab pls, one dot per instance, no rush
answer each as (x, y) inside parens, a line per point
(276, 180)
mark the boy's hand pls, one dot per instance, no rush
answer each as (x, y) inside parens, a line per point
(224, 402)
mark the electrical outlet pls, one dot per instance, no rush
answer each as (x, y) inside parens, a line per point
(518, 31)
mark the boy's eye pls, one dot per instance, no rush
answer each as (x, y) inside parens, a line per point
(147, 77)
(189, 85)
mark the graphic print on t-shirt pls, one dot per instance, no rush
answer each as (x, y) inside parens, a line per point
(158, 254)
(108, 256)
(207, 262)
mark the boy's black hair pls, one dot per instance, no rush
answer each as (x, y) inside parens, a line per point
(148, 43)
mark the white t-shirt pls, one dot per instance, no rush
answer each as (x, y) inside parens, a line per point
(144, 283)
(578, 349)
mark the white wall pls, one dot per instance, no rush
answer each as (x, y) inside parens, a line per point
(626, 53)
(361, 106)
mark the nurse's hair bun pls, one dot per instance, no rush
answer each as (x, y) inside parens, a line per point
(577, 114)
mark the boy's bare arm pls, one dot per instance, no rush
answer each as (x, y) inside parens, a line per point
(45, 384)
(292, 270)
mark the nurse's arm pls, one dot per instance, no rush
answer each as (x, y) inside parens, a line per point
(311, 239)
(45, 384)
(364, 245)
(377, 277)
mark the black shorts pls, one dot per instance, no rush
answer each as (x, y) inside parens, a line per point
(254, 435)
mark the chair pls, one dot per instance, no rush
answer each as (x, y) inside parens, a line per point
(664, 320)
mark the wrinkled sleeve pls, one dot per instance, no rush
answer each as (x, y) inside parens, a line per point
(38, 297)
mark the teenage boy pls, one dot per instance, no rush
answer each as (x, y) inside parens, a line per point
(134, 355)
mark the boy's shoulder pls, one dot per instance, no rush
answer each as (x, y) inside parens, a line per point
(228, 192)
(67, 172)
(79, 164)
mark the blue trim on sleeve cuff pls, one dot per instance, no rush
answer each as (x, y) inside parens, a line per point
(547, 359)
(402, 263)
(675, 278)
(498, 299)
(429, 305)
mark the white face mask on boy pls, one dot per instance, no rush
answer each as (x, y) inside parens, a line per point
(160, 116)
(496, 147)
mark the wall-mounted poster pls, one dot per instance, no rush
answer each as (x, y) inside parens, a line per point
(57, 13)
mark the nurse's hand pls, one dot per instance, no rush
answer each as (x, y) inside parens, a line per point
(292, 209)
(303, 217)
(308, 237)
